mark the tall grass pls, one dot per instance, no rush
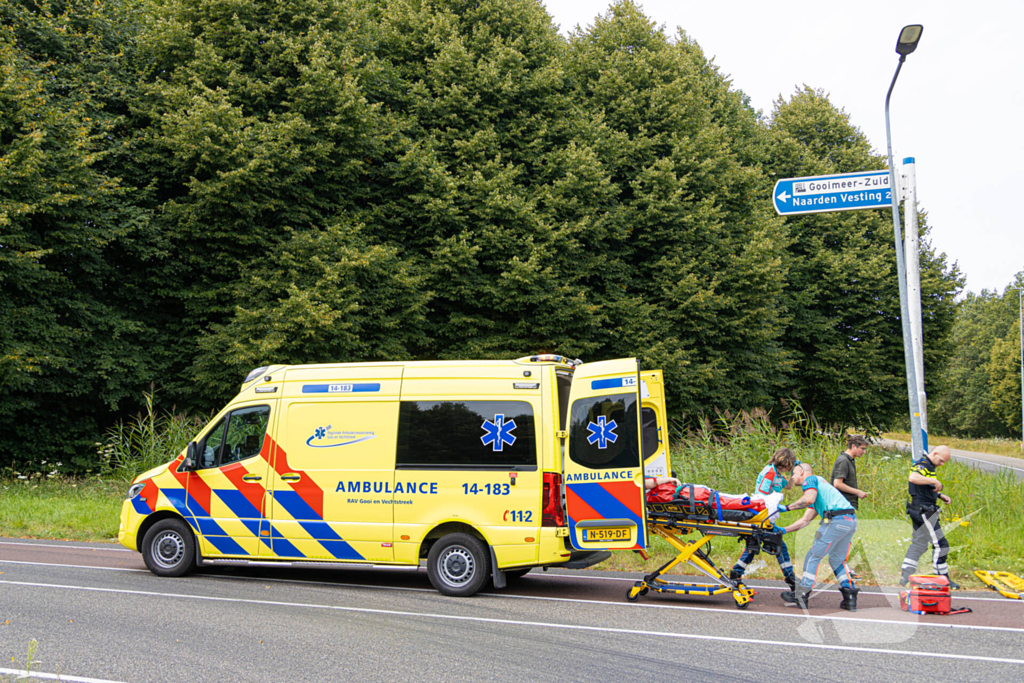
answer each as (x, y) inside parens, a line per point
(146, 440)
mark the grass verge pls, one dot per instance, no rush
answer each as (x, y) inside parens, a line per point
(70, 509)
(1010, 448)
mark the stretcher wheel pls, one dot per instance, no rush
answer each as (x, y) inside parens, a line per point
(631, 597)
(739, 604)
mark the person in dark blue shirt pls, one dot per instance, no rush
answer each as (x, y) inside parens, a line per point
(833, 539)
(925, 491)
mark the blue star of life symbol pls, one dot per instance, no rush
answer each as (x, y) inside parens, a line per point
(602, 432)
(498, 433)
(320, 432)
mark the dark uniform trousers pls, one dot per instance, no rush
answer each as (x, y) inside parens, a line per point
(927, 530)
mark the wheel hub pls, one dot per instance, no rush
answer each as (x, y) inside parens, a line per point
(168, 549)
(457, 566)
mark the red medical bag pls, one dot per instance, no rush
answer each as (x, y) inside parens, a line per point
(928, 594)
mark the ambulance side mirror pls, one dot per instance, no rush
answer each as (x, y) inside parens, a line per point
(189, 464)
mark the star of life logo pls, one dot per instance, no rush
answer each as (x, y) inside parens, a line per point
(602, 433)
(498, 432)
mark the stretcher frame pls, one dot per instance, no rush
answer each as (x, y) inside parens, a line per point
(672, 526)
(1009, 585)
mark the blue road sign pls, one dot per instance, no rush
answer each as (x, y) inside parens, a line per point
(840, 192)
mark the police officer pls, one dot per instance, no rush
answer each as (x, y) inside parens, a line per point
(925, 491)
(772, 479)
(834, 536)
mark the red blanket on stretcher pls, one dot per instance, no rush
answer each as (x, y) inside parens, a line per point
(668, 492)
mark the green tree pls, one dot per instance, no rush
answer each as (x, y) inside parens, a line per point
(845, 335)
(978, 393)
(70, 333)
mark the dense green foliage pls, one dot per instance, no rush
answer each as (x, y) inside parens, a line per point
(190, 188)
(978, 388)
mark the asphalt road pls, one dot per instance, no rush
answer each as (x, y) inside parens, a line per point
(986, 462)
(99, 615)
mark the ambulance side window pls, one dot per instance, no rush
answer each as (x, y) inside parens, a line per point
(649, 422)
(603, 434)
(236, 436)
(246, 428)
(471, 435)
(209, 449)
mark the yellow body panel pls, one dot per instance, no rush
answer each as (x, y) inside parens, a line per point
(324, 482)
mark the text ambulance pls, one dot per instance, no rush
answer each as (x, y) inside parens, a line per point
(485, 469)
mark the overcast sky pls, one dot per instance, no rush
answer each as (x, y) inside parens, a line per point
(957, 107)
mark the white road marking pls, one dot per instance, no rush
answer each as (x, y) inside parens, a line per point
(689, 608)
(539, 624)
(62, 546)
(34, 675)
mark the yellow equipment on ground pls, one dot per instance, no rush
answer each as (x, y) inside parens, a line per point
(1009, 585)
(676, 519)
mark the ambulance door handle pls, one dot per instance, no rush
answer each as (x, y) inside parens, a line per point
(291, 476)
(252, 477)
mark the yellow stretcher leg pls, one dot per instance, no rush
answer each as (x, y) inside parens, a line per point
(1009, 585)
(690, 552)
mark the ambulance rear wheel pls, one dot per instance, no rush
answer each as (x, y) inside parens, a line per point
(458, 565)
(169, 548)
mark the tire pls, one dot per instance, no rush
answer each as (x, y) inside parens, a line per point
(458, 565)
(169, 548)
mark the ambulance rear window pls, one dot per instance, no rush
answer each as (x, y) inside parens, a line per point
(466, 435)
(603, 434)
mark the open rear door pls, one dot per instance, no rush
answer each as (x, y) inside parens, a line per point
(654, 419)
(604, 487)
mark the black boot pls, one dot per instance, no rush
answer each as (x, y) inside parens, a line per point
(735, 576)
(849, 599)
(797, 597)
(791, 582)
(953, 585)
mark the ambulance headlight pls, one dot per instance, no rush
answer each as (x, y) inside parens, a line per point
(135, 489)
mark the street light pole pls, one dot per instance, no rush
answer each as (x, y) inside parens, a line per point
(907, 43)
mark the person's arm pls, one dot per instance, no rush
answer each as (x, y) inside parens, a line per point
(806, 500)
(651, 482)
(802, 522)
(841, 485)
(921, 480)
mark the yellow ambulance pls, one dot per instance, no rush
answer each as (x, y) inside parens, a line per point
(482, 469)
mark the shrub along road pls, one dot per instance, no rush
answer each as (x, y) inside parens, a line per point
(97, 612)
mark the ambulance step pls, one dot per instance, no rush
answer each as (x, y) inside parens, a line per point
(581, 559)
(310, 563)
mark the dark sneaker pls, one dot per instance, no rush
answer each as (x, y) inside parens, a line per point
(953, 585)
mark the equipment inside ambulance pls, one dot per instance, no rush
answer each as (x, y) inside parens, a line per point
(482, 470)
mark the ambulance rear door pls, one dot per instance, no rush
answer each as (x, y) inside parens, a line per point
(654, 424)
(604, 488)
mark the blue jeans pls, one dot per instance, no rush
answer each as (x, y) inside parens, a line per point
(747, 556)
(834, 538)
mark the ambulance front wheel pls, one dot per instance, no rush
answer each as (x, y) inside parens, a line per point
(169, 548)
(458, 565)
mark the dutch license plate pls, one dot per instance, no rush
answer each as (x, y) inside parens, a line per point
(613, 534)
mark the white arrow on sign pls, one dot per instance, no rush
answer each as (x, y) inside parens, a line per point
(784, 197)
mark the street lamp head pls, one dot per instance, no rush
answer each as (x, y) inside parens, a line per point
(909, 37)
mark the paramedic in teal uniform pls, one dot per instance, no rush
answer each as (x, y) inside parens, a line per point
(772, 479)
(833, 538)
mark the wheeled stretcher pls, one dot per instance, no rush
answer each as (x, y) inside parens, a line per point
(688, 522)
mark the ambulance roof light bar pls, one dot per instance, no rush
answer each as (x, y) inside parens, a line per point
(550, 358)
